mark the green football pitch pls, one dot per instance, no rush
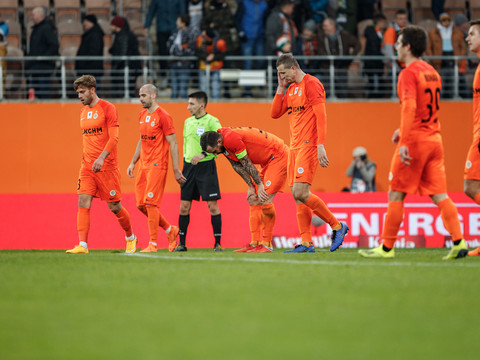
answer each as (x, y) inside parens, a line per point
(207, 305)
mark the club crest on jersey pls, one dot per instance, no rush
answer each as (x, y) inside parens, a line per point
(300, 170)
(89, 115)
(300, 92)
(268, 183)
(113, 193)
(468, 164)
(147, 119)
(150, 195)
(152, 123)
(296, 91)
(200, 130)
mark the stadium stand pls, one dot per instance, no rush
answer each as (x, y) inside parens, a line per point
(9, 10)
(15, 84)
(14, 33)
(66, 9)
(389, 7)
(101, 8)
(69, 33)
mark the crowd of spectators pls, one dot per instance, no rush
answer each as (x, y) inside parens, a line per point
(214, 29)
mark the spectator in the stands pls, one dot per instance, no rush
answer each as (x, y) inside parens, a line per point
(182, 43)
(346, 14)
(167, 13)
(91, 45)
(195, 10)
(3, 47)
(366, 9)
(319, 8)
(336, 42)
(446, 40)
(391, 34)
(210, 50)
(302, 12)
(374, 69)
(438, 8)
(125, 43)
(43, 42)
(279, 23)
(309, 44)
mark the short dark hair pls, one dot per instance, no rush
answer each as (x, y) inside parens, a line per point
(209, 138)
(474, 22)
(416, 37)
(400, 12)
(379, 17)
(87, 81)
(287, 60)
(185, 18)
(200, 96)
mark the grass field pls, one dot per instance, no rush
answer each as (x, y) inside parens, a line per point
(206, 305)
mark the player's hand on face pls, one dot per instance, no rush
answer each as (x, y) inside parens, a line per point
(130, 170)
(281, 82)
(179, 177)
(404, 156)
(322, 156)
(97, 165)
(396, 136)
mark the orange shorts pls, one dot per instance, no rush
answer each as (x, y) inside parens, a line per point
(302, 164)
(103, 184)
(472, 165)
(274, 174)
(150, 185)
(425, 174)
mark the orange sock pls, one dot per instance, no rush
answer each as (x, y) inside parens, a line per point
(449, 214)
(304, 220)
(255, 222)
(322, 211)
(269, 217)
(153, 220)
(162, 222)
(477, 198)
(83, 223)
(123, 218)
(393, 220)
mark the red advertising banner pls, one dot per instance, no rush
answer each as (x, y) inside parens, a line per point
(48, 221)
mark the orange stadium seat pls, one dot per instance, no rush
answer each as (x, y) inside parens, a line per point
(14, 37)
(101, 8)
(67, 9)
(69, 33)
(9, 10)
(30, 4)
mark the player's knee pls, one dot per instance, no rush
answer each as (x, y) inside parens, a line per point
(142, 208)
(185, 208)
(300, 195)
(213, 208)
(115, 207)
(469, 190)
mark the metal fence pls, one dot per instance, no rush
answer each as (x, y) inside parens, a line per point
(346, 77)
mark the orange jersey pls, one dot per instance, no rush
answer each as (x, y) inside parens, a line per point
(298, 102)
(259, 145)
(418, 89)
(94, 122)
(154, 128)
(476, 102)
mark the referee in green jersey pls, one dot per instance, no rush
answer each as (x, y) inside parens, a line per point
(199, 168)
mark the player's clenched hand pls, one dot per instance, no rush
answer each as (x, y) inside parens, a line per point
(322, 156)
(404, 156)
(396, 136)
(262, 194)
(97, 165)
(179, 176)
(130, 170)
(252, 197)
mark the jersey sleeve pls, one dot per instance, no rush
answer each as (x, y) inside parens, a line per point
(214, 124)
(407, 92)
(279, 106)
(407, 86)
(314, 92)
(234, 144)
(111, 115)
(167, 124)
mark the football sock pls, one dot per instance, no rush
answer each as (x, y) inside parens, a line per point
(83, 224)
(477, 198)
(217, 227)
(183, 222)
(255, 222)
(164, 224)
(153, 216)
(123, 218)
(169, 229)
(449, 214)
(322, 211)
(267, 244)
(393, 220)
(269, 217)
(304, 221)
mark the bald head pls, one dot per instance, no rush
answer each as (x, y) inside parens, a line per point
(148, 97)
(150, 89)
(38, 14)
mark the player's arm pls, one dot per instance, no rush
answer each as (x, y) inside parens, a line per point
(135, 158)
(252, 172)
(321, 118)
(279, 106)
(172, 141)
(111, 143)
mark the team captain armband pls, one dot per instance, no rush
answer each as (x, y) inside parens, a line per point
(242, 154)
(113, 139)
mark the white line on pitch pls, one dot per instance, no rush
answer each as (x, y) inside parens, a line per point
(456, 263)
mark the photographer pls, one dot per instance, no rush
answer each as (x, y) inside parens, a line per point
(362, 171)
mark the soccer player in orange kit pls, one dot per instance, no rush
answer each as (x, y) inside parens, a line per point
(418, 163)
(302, 97)
(157, 139)
(244, 147)
(472, 166)
(99, 175)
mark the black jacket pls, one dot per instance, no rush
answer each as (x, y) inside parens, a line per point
(91, 45)
(373, 46)
(43, 42)
(125, 43)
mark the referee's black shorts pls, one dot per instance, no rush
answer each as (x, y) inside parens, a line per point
(202, 180)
